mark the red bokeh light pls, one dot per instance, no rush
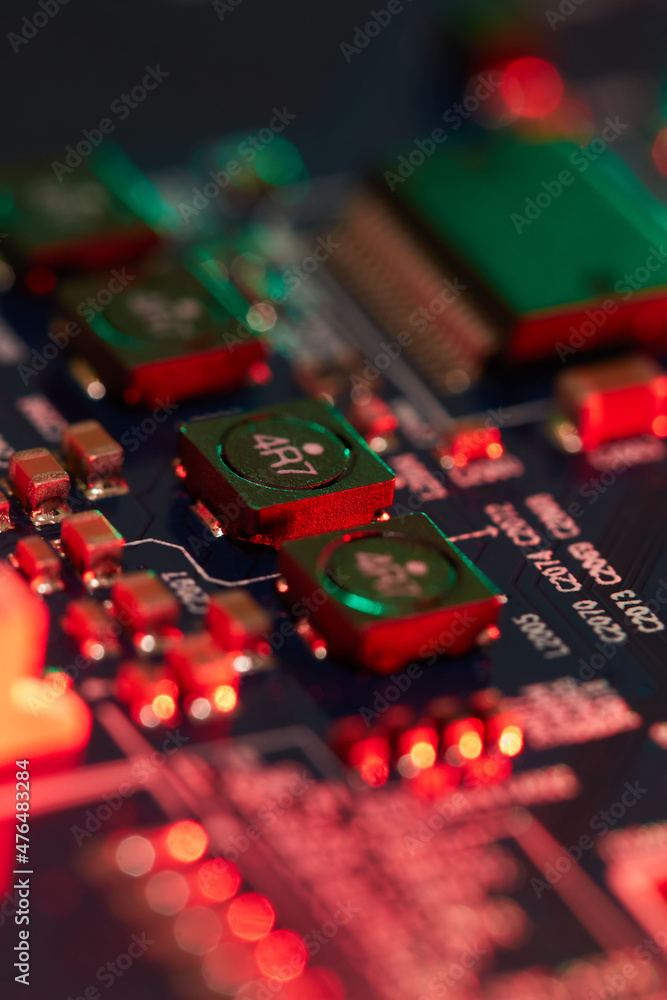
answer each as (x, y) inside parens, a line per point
(251, 916)
(186, 841)
(219, 879)
(531, 87)
(659, 426)
(282, 955)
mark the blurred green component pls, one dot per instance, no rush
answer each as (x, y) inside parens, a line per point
(58, 213)
(153, 329)
(123, 177)
(541, 226)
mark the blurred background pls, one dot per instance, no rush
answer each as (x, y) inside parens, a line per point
(230, 63)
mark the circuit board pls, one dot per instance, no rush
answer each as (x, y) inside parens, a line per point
(303, 811)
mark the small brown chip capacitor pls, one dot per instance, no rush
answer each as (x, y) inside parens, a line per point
(40, 483)
(142, 602)
(93, 545)
(237, 621)
(94, 457)
(199, 665)
(97, 634)
(40, 563)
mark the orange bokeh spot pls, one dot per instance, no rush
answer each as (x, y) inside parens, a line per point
(470, 745)
(460, 459)
(493, 632)
(511, 741)
(494, 450)
(251, 916)
(659, 151)
(164, 706)
(282, 955)
(225, 698)
(219, 879)
(186, 841)
(423, 755)
(531, 87)
(659, 426)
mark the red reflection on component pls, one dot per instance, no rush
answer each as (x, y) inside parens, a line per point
(282, 955)
(612, 400)
(371, 757)
(471, 444)
(421, 744)
(531, 87)
(467, 736)
(251, 916)
(373, 418)
(186, 841)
